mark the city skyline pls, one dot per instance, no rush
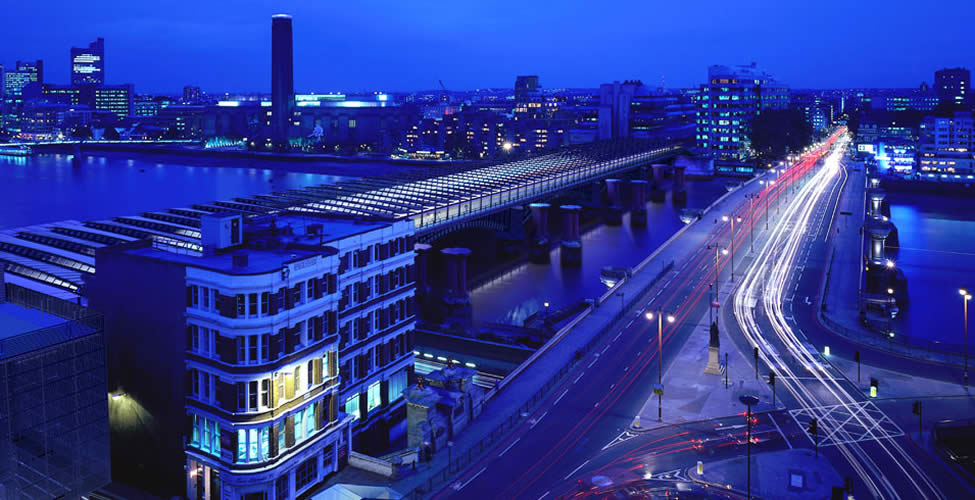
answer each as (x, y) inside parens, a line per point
(394, 49)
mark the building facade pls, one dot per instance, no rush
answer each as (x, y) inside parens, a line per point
(945, 145)
(727, 103)
(116, 99)
(88, 64)
(952, 85)
(267, 336)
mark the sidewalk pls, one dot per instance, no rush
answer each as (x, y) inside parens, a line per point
(690, 394)
(781, 474)
(839, 311)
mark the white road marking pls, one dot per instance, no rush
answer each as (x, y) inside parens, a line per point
(459, 487)
(509, 447)
(575, 470)
(560, 397)
(544, 494)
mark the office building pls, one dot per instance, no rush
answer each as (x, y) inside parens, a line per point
(274, 347)
(145, 106)
(945, 145)
(282, 81)
(525, 88)
(116, 99)
(952, 85)
(633, 110)
(191, 95)
(88, 64)
(727, 103)
(14, 83)
(53, 397)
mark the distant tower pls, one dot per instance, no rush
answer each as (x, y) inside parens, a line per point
(282, 79)
(88, 63)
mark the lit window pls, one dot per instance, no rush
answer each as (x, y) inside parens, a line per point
(352, 406)
(373, 396)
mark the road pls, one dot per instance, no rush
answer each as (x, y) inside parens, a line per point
(592, 408)
(858, 437)
(577, 430)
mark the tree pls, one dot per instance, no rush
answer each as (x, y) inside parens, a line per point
(776, 132)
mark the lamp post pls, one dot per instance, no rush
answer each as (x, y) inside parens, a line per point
(546, 309)
(768, 192)
(717, 250)
(890, 311)
(751, 218)
(966, 296)
(732, 220)
(749, 401)
(660, 358)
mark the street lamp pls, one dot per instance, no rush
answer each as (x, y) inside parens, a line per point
(732, 220)
(966, 296)
(890, 311)
(717, 252)
(751, 216)
(749, 400)
(660, 358)
(546, 309)
(768, 192)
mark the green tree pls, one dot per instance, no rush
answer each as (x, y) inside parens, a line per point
(776, 132)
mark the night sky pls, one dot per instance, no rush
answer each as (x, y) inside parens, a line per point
(409, 45)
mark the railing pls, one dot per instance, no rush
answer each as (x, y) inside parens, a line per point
(931, 350)
(26, 297)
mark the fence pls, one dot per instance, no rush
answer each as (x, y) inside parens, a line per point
(463, 458)
(931, 350)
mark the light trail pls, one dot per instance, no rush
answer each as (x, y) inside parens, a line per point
(768, 277)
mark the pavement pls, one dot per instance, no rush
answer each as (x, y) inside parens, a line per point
(793, 473)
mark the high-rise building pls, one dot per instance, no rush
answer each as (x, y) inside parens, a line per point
(53, 404)
(88, 63)
(14, 83)
(282, 80)
(732, 97)
(191, 94)
(953, 85)
(525, 87)
(263, 355)
(633, 110)
(116, 99)
(945, 145)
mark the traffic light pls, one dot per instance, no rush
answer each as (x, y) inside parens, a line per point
(916, 407)
(771, 378)
(856, 356)
(848, 484)
(813, 427)
(873, 387)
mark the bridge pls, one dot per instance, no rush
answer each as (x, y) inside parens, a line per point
(55, 257)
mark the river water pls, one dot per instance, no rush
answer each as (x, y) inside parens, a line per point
(937, 255)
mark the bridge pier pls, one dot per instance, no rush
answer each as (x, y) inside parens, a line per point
(680, 191)
(638, 204)
(878, 277)
(614, 205)
(571, 251)
(76, 155)
(657, 193)
(539, 252)
(456, 301)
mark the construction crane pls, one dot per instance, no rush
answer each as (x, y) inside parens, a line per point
(446, 96)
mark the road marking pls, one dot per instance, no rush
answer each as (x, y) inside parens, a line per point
(560, 397)
(593, 362)
(538, 420)
(617, 336)
(628, 324)
(459, 486)
(604, 349)
(544, 494)
(772, 418)
(614, 385)
(579, 377)
(509, 447)
(627, 368)
(575, 470)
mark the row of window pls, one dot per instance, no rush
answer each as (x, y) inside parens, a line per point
(259, 304)
(260, 348)
(256, 395)
(374, 397)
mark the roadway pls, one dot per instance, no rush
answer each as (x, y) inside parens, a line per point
(860, 439)
(590, 409)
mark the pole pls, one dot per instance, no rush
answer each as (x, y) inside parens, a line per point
(965, 347)
(732, 248)
(711, 305)
(756, 362)
(660, 364)
(767, 194)
(751, 201)
(726, 367)
(920, 421)
(749, 448)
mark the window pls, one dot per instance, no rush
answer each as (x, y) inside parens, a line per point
(378, 355)
(397, 383)
(352, 123)
(299, 426)
(373, 396)
(307, 472)
(282, 487)
(202, 340)
(265, 393)
(282, 444)
(241, 349)
(310, 290)
(265, 298)
(352, 406)
(297, 294)
(265, 346)
(310, 419)
(252, 444)
(252, 395)
(241, 309)
(206, 435)
(195, 292)
(241, 396)
(297, 379)
(206, 298)
(325, 371)
(252, 348)
(252, 304)
(311, 376)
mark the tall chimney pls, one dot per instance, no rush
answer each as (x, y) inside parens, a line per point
(282, 79)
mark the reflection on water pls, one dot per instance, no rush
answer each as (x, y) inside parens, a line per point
(46, 188)
(937, 255)
(513, 296)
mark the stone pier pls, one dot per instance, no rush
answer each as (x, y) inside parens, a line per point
(456, 300)
(638, 204)
(538, 252)
(679, 195)
(657, 193)
(614, 202)
(571, 253)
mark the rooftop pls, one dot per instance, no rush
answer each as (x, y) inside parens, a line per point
(258, 261)
(15, 320)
